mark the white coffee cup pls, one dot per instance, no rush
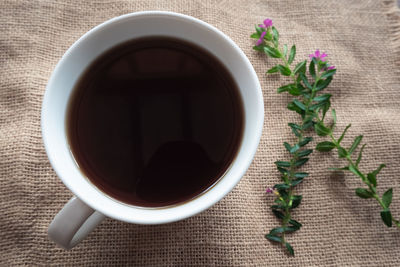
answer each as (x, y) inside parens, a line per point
(90, 206)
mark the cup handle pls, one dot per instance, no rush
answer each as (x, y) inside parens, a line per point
(73, 223)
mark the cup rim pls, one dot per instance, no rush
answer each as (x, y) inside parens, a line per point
(142, 215)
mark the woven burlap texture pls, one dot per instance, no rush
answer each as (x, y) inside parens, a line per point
(362, 39)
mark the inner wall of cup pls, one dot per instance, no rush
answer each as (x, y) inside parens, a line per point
(102, 39)
(119, 30)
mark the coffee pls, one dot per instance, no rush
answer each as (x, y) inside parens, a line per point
(155, 121)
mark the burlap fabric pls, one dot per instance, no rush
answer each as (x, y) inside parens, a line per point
(362, 39)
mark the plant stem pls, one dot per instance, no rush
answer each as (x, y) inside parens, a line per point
(300, 138)
(291, 171)
(363, 177)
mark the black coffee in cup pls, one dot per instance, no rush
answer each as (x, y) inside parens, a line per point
(155, 121)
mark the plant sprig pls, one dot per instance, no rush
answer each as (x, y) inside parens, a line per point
(369, 179)
(312, 105)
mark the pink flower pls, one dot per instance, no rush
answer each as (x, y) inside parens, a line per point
(267, 23)
(328, 68)
(270, 190)
(318, 55)
(259, 41)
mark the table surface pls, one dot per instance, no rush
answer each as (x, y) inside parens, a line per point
(362, 39)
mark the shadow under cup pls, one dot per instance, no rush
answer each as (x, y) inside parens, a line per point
(117, 31)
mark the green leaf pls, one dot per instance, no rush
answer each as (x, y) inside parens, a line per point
(300, 67)
(283, 193)
(356, 171)
(355, 144)
(323, 97)
(300, 87)
(307, 125)
(259, 30)
(289, 248)
(344, 132)
(386, 217)
(294, 125)
(295, 128)
(372, 179)
(321, 129)
(295, 223)
(318, 105)
(334, 118)
(325, 108)
(305, 80)
(285, 88)
(259, 48)
(304, 153)
(296, 182)
(272, 51)
(300, 162)
(342, 152)
(364, 193)
(280, 201)
(287, 146)
(284, 70)
(377, 171)
(296, 201)
(311, 68)
(268, 35)
(275, 36)
(322, 84)
(322, 64)
(299, 104)
(279, 230)
(273, 70)
(300, 174)
(255, 36)
(282, 163)
(305, 141)
(293, 107)
(294, 148)
(372, 175)
(325, 146)
(328, 73)
(387, 197)
(295, 91)
(274, 238)
(285, 50)
(281, 186)
(360, 154)
(278, 214)
(292, 54)
(325, 105)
